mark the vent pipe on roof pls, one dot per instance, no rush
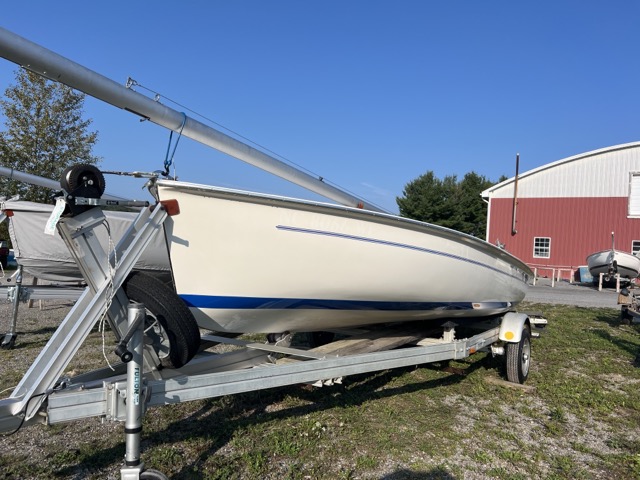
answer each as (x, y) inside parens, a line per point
(515, 197)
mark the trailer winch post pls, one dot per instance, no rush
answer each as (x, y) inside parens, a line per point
(135, 397)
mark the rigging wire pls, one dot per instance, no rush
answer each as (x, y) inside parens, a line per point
(157, 96)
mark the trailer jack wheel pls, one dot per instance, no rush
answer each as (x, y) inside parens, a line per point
(152, 474)
(8, 341)
(519, 358)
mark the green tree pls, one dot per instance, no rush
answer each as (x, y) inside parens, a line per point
(448, 202)
(45, 133)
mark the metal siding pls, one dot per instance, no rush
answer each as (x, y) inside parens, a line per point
(603, 173)
(577, 227)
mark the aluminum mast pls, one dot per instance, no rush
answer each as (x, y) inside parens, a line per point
(60, 69)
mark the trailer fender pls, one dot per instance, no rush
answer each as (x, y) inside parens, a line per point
(511, 326)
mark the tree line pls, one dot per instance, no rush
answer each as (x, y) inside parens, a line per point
(448, 202)
(45, 132)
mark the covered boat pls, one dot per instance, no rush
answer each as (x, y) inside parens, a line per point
(46, 256)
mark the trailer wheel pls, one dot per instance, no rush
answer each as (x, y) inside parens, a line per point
(170, 325)
(519, 358)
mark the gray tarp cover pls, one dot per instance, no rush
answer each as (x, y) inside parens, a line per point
(46, 256)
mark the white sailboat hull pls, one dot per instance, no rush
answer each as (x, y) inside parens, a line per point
(246, 262)
(610, 262)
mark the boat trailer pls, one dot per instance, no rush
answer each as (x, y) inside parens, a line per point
(629, 302)
(125, 392)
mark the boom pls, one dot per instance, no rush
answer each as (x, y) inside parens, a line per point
(60, 69)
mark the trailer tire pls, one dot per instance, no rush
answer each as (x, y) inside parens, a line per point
(170, 323)
(519, 358)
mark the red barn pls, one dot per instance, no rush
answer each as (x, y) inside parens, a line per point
(555, 215)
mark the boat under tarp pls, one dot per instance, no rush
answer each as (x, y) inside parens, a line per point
(46, 256)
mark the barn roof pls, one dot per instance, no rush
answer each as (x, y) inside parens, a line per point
(598, 173)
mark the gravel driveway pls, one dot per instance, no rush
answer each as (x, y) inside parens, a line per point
(565, 293)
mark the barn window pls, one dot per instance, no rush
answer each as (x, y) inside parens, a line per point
(634, 194)
(542, 247)
(635, 246)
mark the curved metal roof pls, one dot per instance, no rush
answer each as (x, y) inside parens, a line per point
(587, 174)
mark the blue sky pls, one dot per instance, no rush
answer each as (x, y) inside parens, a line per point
(368, 94)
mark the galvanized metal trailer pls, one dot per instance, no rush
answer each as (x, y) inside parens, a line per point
(45, 396)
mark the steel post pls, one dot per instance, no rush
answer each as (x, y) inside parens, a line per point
(134, 411)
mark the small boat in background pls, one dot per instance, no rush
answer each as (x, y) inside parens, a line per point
(611, 262)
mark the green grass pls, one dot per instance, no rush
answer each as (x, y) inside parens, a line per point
(582, 421)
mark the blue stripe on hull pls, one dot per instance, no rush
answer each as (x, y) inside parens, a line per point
(259, 303)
